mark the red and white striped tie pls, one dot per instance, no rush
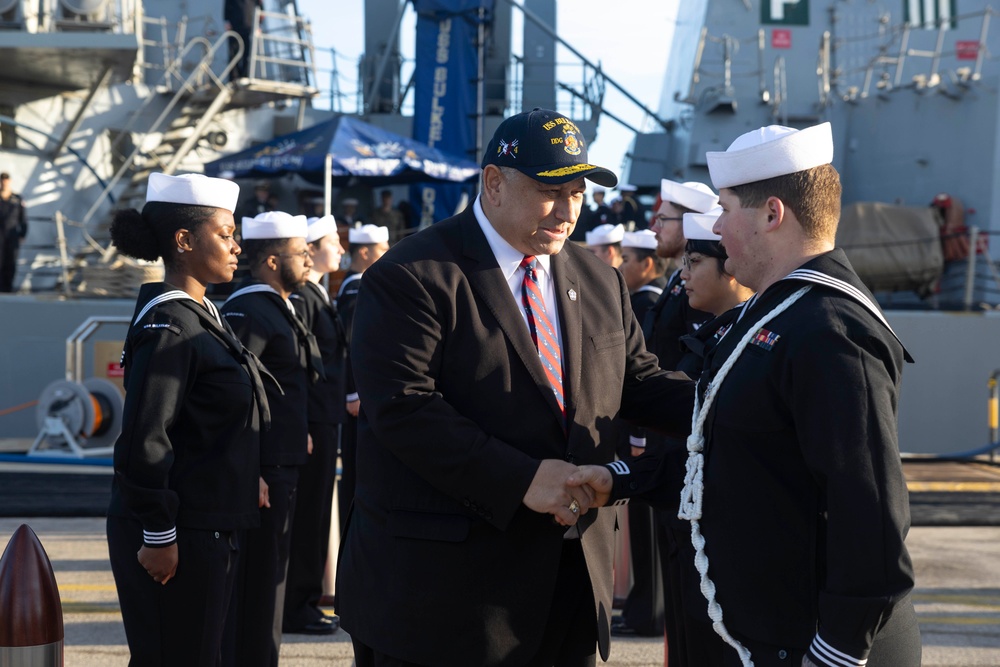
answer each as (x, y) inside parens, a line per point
(542, 331)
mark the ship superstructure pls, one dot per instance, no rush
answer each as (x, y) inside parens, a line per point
(96, 94)
(910, 87)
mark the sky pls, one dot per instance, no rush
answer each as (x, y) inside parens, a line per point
(631, 45)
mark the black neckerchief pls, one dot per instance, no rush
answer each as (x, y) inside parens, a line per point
(307, 341)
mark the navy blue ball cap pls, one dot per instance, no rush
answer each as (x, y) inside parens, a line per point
(546, 146)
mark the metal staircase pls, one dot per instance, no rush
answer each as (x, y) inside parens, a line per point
(199, 88)
(181, 125)
(281, 68)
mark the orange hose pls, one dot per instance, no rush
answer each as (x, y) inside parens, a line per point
(23, 406)
(98, 416)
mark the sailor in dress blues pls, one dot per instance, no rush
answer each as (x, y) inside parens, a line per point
(794, 487)
(187, 460)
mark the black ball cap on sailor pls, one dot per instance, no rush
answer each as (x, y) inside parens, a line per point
(546, 146)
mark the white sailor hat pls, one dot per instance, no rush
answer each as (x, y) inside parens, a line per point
(349, 201)
(368, 234)
(193, 189)
(644, 239)
(769, 152)
(320, 227)
(606, 234)
(698, 226)
(275, 225)
(627, 187)
(693, 195)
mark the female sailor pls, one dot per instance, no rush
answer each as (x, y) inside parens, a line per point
(187, 461)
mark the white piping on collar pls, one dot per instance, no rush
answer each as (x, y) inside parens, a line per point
(261, 287)
(174, 295)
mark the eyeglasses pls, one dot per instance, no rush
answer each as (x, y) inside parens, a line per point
(687, 261)
(660, 219)
(303, 255)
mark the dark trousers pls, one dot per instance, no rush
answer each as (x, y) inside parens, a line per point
(348, 468)
(643, 610)
(253, 632)
(571, 630)
(9, 245)
(242, 67)
(691, 640)
(181, 622)
(311, 529)
(898, 640)
(570, 638)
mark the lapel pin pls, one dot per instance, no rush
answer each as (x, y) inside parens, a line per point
(572, 294)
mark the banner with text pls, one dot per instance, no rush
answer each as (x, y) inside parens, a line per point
(444, 85)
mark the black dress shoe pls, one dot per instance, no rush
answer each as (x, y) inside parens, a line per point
(321, 626)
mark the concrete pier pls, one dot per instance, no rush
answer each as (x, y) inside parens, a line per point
(958, 600)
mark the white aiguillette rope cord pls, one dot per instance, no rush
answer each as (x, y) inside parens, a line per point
(694, 486)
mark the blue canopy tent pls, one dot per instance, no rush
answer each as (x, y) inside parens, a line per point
(342, 149)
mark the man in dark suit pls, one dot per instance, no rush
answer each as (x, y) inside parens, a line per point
(490, 357)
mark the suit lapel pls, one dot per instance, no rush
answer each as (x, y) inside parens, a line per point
(486, 279)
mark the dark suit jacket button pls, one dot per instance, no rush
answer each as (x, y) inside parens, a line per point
(489, 515)
(467, 503)
(633, 485)
(782, 654)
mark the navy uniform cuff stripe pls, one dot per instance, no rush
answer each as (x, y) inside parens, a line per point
(158, 539)
(619, 468)
(824, 654)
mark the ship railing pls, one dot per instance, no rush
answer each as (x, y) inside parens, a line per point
(160, 26)
(336, 96)
(715, 75)
(723, 96)
(282, 48)
(171, 67)
(891, 69)
(60, 266)
(594, 85)
(201, 75)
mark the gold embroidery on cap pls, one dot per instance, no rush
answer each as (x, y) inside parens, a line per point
(564, 171)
